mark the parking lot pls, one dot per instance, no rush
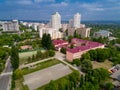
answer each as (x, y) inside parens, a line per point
(42, 77)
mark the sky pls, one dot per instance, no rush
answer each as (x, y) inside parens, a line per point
(90, 10)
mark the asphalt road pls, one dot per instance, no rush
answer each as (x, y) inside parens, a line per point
(6, 78)
(4, 82)
(8, 67)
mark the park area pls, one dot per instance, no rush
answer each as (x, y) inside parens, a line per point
(106, 64)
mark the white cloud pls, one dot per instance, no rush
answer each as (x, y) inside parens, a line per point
(39, 1)
(59, 4)
(22, 2)
(26, 2)
(92, 7)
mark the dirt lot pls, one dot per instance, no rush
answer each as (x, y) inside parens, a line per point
(107, 64)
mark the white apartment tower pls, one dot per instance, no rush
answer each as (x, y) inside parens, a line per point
(11, 26)
(77, 20)
(56, 21)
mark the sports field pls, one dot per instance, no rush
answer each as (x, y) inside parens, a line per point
(24, 56)
(44, 76)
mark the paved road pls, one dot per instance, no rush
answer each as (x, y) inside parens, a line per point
(5, 77)
(4, 82)
(8, 66)
(62, 58)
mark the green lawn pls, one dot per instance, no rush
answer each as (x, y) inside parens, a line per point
(106, 64)
(23, 56)
(40, 66)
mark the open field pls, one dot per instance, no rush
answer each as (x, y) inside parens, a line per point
(44, 76)
(27, 54)
(40, 66)
(106, 64)
(23, 56)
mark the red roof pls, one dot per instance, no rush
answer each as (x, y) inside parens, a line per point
(57, 42)
(88, 45)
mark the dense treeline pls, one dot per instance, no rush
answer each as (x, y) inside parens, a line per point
(4, 53)
(47, 42)
(99, 55)
(14, 57)
(93, 80)
(114, 28)
(41, 55)
(67, 83)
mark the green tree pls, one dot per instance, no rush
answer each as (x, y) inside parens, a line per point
(86, 65)
(75, 34)
(109, 86)
(93, 54)
(18, 74)
(85, 56)
(51, 86)
(70, 38)
(39, 54)
(48, 42)
(14, 57)
(76, 61)
(63, 50)
(51, 53)
(44, 40)
(101, 56)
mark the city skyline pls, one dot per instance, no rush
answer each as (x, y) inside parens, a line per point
(43, 9)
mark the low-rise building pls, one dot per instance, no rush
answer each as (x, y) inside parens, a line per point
(81, 47)
(102, 33)
(26, 47)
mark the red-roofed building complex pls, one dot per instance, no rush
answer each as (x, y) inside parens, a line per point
(80, 47)
(58, 43)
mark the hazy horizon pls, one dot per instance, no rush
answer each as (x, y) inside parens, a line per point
(91, 10)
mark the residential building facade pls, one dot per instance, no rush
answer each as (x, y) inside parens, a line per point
(56, 21)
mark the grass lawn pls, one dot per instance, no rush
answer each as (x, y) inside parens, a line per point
(40, 66)
(24, 56)
(19, 82)
(106, 64)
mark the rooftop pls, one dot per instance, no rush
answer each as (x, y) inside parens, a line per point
(58, 41)
(104, 31)
(88, 45)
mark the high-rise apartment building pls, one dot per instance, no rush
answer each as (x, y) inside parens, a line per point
(53, 32)
(77, 20)
(10, 26)
(56, 21)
